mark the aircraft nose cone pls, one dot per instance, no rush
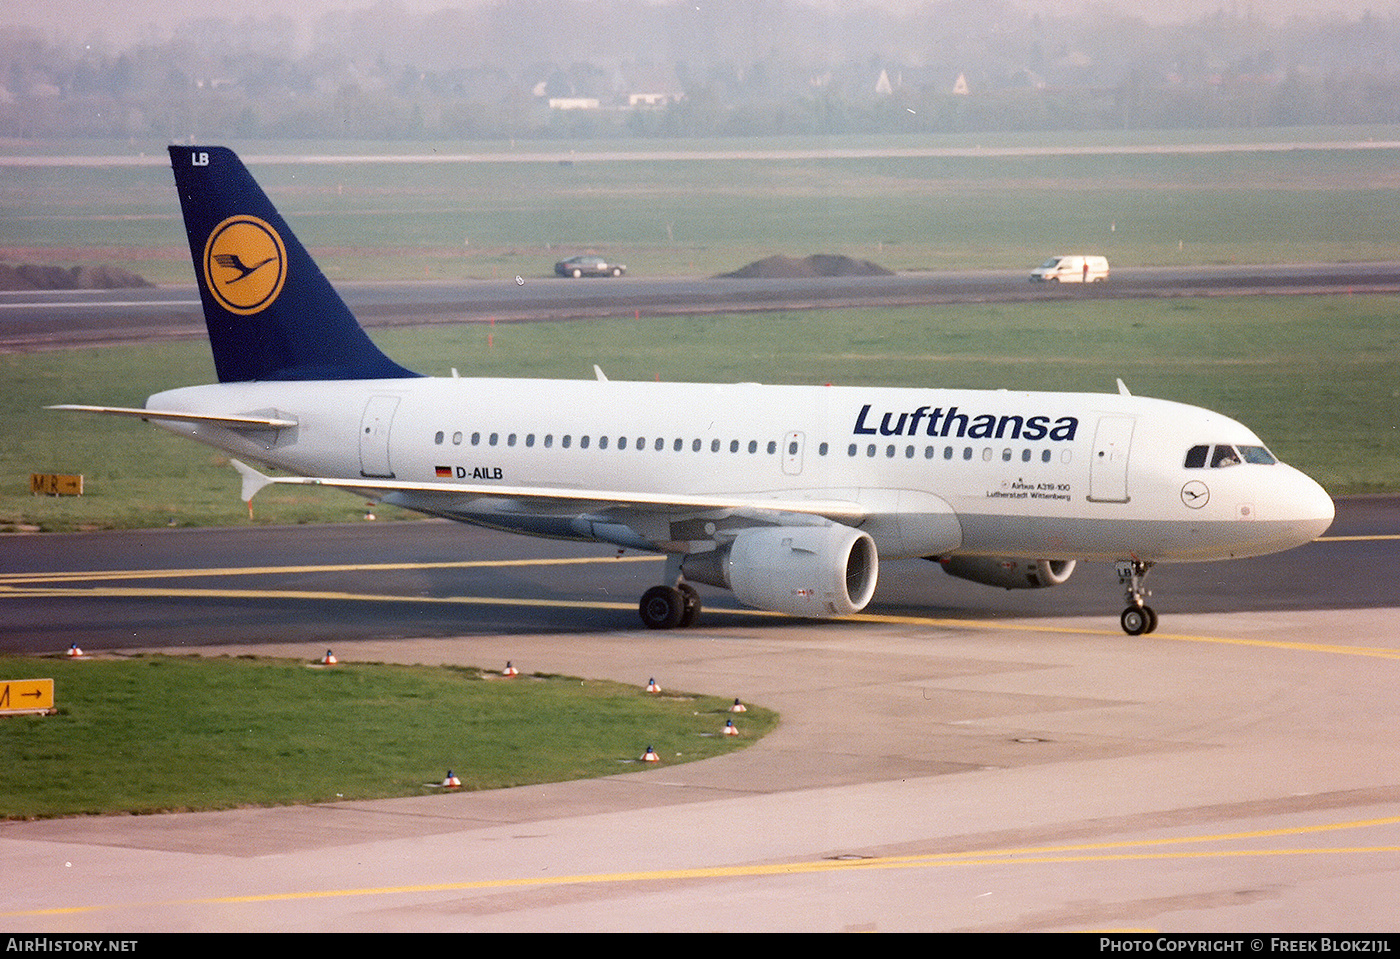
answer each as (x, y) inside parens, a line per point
(1312, 507)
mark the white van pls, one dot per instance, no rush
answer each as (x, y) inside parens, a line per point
(1072, 269)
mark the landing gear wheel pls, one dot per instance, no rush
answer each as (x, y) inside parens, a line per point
(692, 604)
(662, 607)
(1137, 620)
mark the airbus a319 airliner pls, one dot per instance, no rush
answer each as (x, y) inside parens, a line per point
(790, 496)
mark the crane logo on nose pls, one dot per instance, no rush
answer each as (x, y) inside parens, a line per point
(1195, 494)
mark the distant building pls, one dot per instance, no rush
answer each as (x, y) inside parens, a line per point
(574, 103)
(638, 100)
(960, 85)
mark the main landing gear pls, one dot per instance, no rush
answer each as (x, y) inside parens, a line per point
(1138, 618)
(673, 604)
(666, 607)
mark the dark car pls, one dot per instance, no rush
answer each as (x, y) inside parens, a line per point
(577, 266)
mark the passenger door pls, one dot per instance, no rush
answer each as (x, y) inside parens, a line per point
(374, 436)
(1108, 472)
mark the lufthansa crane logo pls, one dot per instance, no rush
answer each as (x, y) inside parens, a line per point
(1195, 494)
(245, 264)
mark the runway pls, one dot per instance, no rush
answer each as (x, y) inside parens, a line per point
(958, 759)
(58, 319)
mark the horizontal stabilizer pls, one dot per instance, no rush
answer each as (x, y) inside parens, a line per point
(253, 481)
(233, 422)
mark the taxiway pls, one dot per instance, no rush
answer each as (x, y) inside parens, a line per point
(951, 765)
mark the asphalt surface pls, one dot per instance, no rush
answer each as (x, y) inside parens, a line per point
(345, 583)
(48, 320)
(952, 767)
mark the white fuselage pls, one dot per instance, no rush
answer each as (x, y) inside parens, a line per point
(932, 472)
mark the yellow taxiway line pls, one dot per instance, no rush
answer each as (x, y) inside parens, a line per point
(1122, 851)
(47, 585)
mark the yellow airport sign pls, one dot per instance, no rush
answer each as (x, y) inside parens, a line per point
(26, 696)
(56, 484)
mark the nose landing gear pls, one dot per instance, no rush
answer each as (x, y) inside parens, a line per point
(1138, 618)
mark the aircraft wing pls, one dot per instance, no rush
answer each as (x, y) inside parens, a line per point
(235, 422)
(545, 498)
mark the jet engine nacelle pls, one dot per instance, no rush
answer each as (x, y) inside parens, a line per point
(1008, 573)
(815, 571)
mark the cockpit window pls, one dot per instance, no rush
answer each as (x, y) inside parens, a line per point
(1222, 455)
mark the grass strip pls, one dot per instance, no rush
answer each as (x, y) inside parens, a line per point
(154, 733)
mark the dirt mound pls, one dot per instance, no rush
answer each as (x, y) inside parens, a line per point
(28, 276)
(818, 264)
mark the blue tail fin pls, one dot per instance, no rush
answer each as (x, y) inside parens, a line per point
(271, 313)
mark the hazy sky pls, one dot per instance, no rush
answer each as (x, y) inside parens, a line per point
(123, 20)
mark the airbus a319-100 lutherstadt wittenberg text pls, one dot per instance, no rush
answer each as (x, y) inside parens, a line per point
(790, 496)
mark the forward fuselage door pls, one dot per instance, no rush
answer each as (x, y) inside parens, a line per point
(378, 419)
(1108, 472)
(792, 454)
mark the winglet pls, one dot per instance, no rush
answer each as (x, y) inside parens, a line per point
(253, 481)
(1123, 388)
(598, 372)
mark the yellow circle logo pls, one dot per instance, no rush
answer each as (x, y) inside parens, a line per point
(245, 264)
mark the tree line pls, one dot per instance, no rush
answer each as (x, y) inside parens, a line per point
(577, 69)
